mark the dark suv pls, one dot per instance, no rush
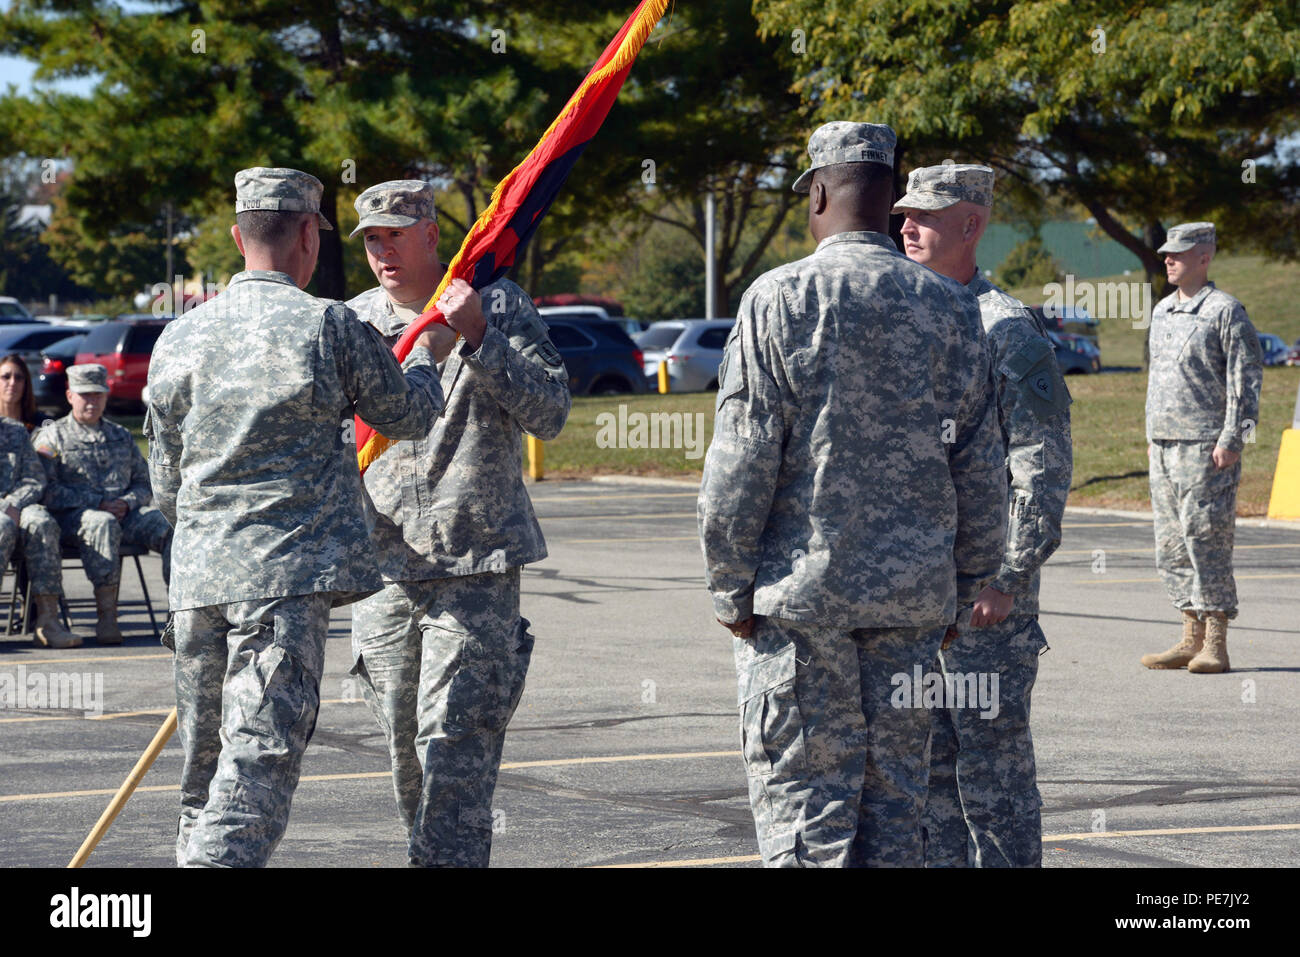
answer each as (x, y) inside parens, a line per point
(600, 357)
(124, 347)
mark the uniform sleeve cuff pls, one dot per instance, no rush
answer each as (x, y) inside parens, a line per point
(490, 352)
(731, 611)
(1012, 581)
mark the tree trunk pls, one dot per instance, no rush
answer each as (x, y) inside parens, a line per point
(330, 281)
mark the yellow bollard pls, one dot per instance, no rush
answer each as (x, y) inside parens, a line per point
(665, 385)
(536, 457)
(1285, 499)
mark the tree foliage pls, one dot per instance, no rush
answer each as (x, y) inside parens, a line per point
(452, 91)
(1144, 113)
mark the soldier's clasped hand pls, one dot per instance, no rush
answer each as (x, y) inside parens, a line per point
(460, 304)
(438, 339)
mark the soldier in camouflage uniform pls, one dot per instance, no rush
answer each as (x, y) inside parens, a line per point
(848, 373)
(24, 523)
(982, 809)
(99, 492)
(1202, 407)
(246, 393)
(441, 652)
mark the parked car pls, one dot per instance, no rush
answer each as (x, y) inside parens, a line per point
(1075, 353)
(599, 356)
(30, 339)
(1293, 354)
(1274, 348)
(11, 310)
(692, 349)
(1069, 319)
(124, 347)
(50, 378)
(633, 327)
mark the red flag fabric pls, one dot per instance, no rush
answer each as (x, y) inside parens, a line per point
(520, 200)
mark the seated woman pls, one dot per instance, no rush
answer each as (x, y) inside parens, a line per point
(17, 400)
(23, 520)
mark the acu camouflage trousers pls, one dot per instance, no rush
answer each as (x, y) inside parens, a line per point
(837, 774)
(983, 805)
(99, 536)
(442, 664)
(247, 693)
(37, 537)
(1195, 510)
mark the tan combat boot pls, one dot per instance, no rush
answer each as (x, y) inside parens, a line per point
(1180, 654)
(1213, 658)
(49, 629)
(106, 630)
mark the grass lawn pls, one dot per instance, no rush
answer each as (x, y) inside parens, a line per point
(1110, 460)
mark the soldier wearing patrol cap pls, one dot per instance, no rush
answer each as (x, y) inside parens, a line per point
(982, 808)
(1202, 407)
(99, 492)
(850, 371)
(442, 652)
(246, 393)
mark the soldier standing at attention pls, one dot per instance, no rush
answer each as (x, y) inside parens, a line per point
(982, 809)
(852, 503)
(99, 492)
(442, 651)
(246, 393)
(1202, 405)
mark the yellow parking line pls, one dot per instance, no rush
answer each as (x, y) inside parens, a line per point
(617, 518)
(365, 775)
(79, 661)
(1107, 580)
(1047, 839)
(614, 759)
(1138, 551)
(619, 541)
(1105, 524)
(1161, 832)
(695, 862)
(606, 498)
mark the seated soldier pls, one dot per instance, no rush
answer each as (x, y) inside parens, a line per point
(23, 520)
(99, 491)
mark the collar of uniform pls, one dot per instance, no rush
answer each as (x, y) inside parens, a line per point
(1193, 304)
(859, 236)
(264, 275)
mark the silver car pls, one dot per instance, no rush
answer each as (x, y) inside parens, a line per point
(691, 347)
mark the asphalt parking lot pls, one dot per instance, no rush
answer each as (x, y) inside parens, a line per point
(624, 750)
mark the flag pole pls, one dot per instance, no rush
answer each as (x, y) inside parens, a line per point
(124, 792)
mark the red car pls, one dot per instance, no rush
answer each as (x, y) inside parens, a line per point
(124, 346)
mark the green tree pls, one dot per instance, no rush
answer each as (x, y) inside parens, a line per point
(1028, 264)
(1143, 113)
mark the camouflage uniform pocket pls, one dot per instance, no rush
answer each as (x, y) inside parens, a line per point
(771, 724)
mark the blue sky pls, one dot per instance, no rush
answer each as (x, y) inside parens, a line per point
(17, 71)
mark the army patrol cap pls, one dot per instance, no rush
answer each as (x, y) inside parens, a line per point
(279, 188)
(397, 204)
(1184, 236)
(845, 142)
(938, 187)
(88, 377)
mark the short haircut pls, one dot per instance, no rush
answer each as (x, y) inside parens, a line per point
(853, 176)
(268, 227)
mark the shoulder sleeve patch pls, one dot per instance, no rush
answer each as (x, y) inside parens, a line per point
(1033, 369)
